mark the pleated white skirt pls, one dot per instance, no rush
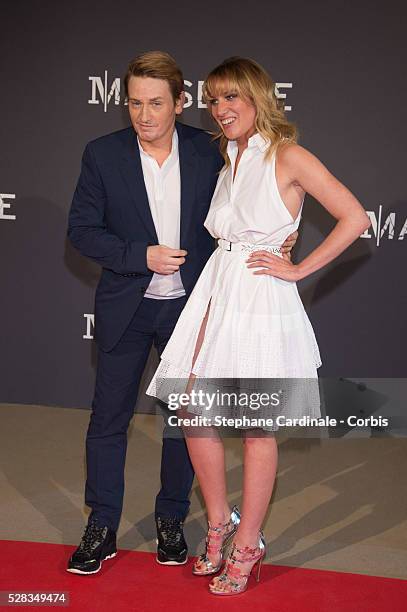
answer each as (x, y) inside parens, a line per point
(257, 330)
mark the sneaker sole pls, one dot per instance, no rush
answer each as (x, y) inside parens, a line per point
(73, 570)
(170, 562)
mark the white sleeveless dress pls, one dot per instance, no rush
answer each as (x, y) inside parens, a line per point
(257, 327)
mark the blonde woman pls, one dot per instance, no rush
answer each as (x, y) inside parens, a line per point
(244, 319)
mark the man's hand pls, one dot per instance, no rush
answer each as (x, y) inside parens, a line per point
(287, 246)
(164, 260)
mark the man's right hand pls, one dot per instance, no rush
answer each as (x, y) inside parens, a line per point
(164, 260)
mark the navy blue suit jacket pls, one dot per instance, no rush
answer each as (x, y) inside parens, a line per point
(110, 220)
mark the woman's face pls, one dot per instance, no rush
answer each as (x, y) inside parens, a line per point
(235, 115)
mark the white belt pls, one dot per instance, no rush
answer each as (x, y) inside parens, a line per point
(246, 247)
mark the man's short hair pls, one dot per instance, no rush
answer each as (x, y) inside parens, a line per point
(156, 65)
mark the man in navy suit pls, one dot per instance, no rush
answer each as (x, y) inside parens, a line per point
(138, 210)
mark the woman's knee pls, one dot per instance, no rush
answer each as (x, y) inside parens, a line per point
(253, 440)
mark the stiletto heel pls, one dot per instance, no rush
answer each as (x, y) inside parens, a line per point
(260, 561)
(232, 580)
(221, 534)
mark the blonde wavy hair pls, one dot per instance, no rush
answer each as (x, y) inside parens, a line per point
(251, 82)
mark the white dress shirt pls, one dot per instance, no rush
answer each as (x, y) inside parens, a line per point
(163, 185)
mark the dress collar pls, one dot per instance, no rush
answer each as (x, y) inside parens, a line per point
(255, 141)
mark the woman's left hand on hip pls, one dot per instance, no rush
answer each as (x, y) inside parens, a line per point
(272, 265)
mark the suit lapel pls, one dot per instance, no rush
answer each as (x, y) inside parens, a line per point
(132, 172)
(189, 166)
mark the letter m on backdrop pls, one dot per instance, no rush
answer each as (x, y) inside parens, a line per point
(100, 92)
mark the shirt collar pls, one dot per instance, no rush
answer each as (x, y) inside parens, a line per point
(174, 146)
(255, 141)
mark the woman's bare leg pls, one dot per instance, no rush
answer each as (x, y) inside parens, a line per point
(259, 472)
(260, 467)
(207, 454)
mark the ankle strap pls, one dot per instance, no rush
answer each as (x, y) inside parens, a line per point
(219, 527)
(248, 554)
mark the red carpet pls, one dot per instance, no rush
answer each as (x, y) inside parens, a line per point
(134, 581)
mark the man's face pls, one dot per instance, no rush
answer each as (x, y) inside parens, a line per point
(152, 108)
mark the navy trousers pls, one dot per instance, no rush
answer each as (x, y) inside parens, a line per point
(117, 382)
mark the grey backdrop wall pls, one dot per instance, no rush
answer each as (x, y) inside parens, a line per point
(339, 65)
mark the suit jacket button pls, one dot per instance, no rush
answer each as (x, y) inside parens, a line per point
(143, 289)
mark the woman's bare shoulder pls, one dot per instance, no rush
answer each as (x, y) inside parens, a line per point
(297, 160)
(292, 153)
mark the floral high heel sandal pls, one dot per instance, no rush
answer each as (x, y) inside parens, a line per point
(232, 580)
(217, 541)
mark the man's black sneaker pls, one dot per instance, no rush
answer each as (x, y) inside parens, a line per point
(171, 546)
(98, 543)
